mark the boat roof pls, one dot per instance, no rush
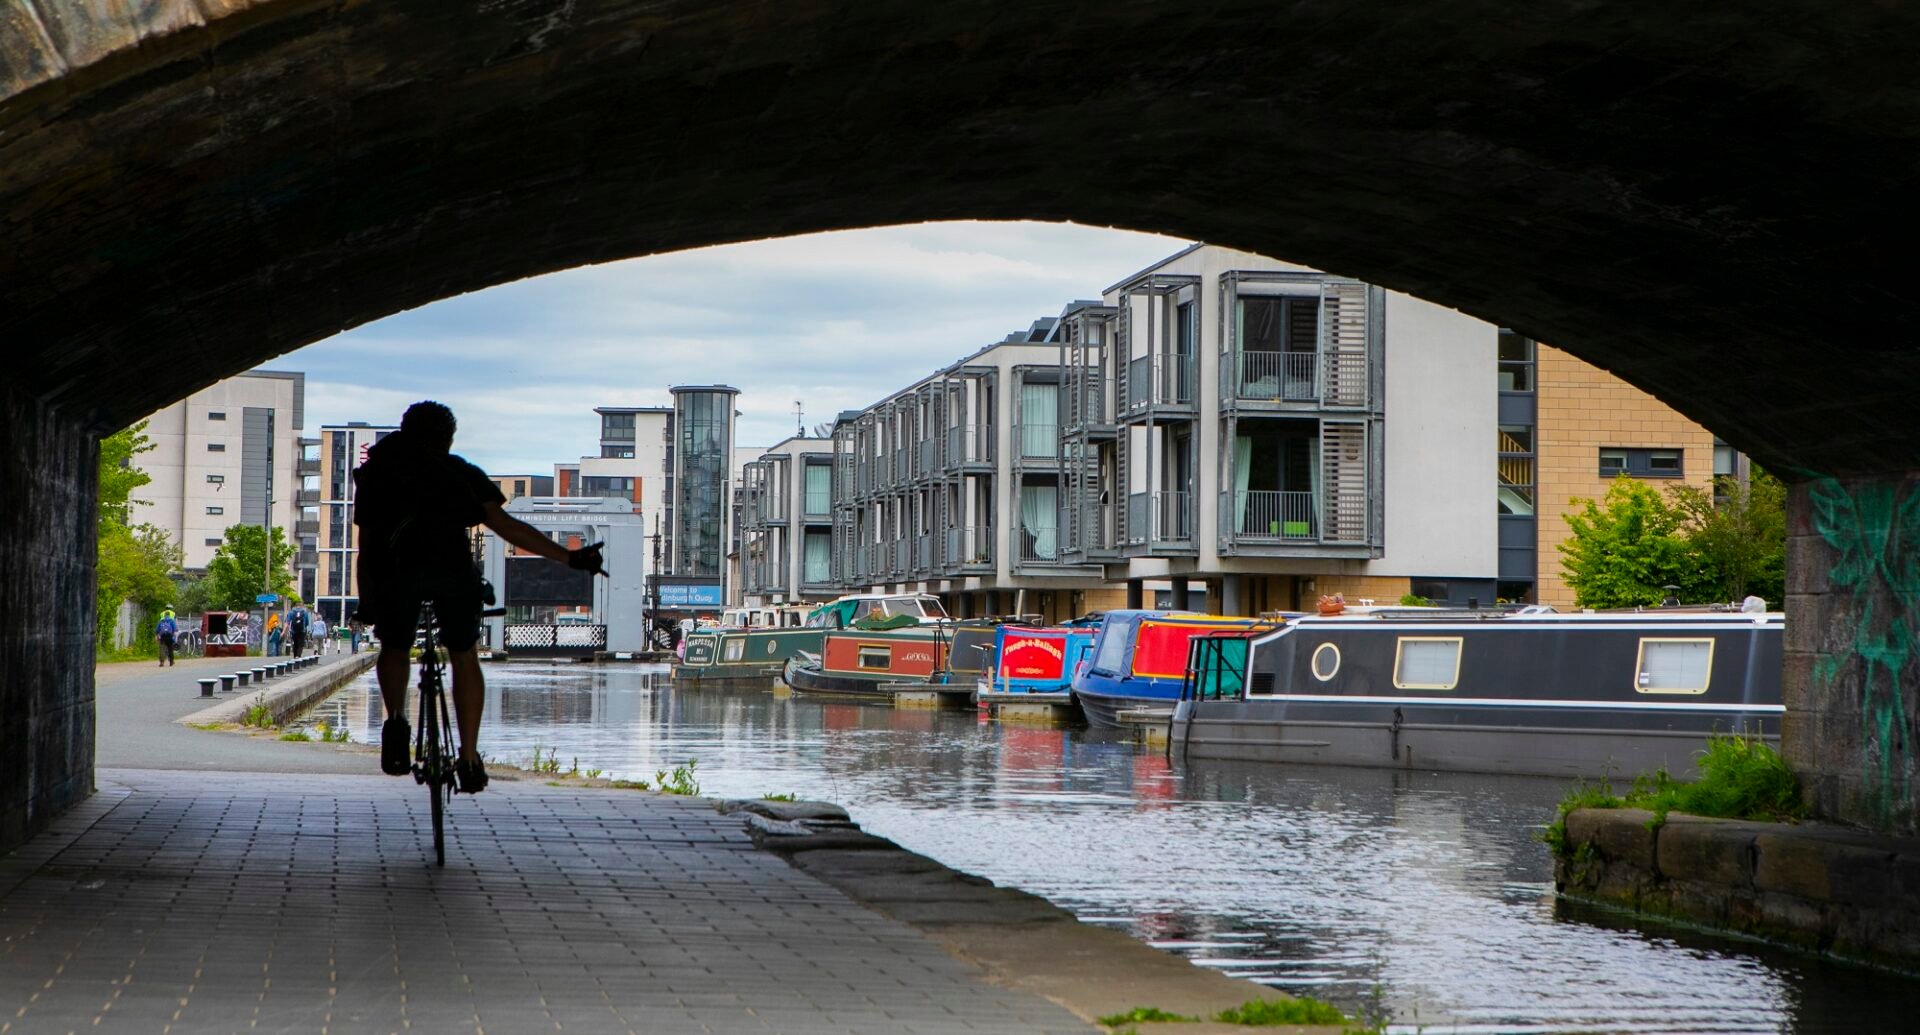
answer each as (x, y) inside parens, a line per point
(1458, 615)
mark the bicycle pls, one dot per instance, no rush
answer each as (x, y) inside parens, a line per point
(433, 756)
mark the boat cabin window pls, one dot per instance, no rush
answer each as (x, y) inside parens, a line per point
(875, 655)
(861, 610)
(1427, 663)
(1674, 666)
(735, 648)
(1115, 641)
(1326, 662)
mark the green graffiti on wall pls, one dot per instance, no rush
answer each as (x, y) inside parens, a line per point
(1875, 536)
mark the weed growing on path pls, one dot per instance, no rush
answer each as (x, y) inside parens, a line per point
(257, 715)
(631, 785)
(299, 736)
(680, 781)
(1144, 1015)
(1301, 1010)
(779, 797)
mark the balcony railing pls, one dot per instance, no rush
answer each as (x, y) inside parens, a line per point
(1096, 533)
(306, 528)
(1038, 441)
(305, 466)
(929, 461)
(903, 464)
(923, 552)
(968, 547)
(1159, 517)
(1038, 546)
(1278, 376)
(969, 444)
(1162, 379)
(1089, 399)
(1280, 517)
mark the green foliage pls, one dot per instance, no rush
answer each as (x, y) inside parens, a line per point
(329, 734)
(1144, 1015)
(1625, 548)
(631, 785)
(1740, 778)
(1301, 1010)
(190, 596)
(134, 561)
(1739, 543)
(235, 575)
(301, 736)
(119, 475)
(679, 781)
(257, 714)
(544, 761)
(594, 774)
(779, 797)
(1414, 600)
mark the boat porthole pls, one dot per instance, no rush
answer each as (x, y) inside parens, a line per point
(770, 646)
(1326, 662)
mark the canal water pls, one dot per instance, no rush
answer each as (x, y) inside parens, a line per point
(1425, 898)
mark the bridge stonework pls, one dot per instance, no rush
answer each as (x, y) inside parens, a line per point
(1852, 678)
(1715, 206)
(48, 472)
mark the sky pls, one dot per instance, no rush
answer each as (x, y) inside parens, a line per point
(836, 321)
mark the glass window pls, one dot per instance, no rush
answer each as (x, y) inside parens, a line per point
(1116, 637)
(819, 488)
(216, 510)
(216, 415)
(875, 656)
(1642, 463)
(1326, 662)
(216, 479)
(1516, 362)
(735, 648)
(213, 542)
(1427, 663)
(216, 447)
(1612, 462)
(1674, 666)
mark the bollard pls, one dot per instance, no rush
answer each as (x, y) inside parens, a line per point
(206, 686)
(226, 682)
(260, 674)
(245, 675)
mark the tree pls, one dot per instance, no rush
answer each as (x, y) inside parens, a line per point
(1626, 548)
(1739, 541)
(235, 575)
(132, 562)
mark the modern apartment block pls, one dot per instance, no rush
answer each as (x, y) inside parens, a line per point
(634, 463)
(342, 449)
(699, 508)
(230, 454)
(514, 486)
(785, 504)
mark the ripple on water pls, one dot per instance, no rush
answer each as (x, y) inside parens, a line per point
(1428, 892)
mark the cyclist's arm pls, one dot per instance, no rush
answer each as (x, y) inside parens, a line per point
(521, 534)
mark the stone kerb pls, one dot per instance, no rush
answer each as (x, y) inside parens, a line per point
(288, 696)
(1827, 888)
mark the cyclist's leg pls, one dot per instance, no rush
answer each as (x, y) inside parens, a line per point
(469, 698)
(459, 605)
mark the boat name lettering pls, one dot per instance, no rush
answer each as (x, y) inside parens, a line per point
(1046, 645)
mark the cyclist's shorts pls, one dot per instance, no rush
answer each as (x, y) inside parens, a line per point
(456, 600)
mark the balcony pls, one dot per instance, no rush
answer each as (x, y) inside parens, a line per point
(305, 467)
(303, 529)
(306, 559)
(1096, 540)
(1038, 442)
(923, 554)
(1039, 547)
(1159, 519)
(929, 458)
(1277, 377)
(903, 464)
(968, 549)
(1275, 517)
(968, 446)
(1160, 381)
(306, 497)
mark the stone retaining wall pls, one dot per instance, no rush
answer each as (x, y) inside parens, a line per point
(1827, 888)
(290, 696)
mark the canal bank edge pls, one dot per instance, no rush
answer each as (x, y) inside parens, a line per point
(1018, 940)
(1813, 886)
(288, 698)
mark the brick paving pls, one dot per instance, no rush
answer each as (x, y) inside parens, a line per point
(214, 901)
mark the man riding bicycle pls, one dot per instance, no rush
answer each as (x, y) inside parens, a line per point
(414, 501)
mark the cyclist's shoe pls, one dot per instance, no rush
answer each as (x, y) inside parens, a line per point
(470, 775)
(394, 737)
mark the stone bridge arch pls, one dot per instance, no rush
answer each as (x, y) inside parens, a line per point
(1712, 204)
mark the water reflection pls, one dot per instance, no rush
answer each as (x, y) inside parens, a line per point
(1422, 894)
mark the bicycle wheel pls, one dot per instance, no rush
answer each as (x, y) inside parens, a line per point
(435, 765)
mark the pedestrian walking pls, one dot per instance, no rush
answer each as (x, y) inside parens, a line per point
(272, 645)
(297, 621)
(353, 633)
(164, 633)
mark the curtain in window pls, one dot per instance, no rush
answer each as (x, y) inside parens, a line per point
(1242, 469)
(1040, 517)
(1040, 420)
(819, 488)
(817, 562)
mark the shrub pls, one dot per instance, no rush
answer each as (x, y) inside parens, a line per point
(1302, 1010)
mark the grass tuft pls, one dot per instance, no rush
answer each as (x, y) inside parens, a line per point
(297, 736)
(630, 785)
(1144, 1015)
(680, 780)
(779, 797)
(1301, 1010)
(1740, 778)
(257, 715)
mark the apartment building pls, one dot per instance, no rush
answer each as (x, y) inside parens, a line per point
(785, 508)
(229, 454)
(514, 486)
(634, 463)
(341, 449)
(700, 500)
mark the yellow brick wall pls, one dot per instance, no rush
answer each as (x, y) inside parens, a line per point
(1581, 410)
(1381, 589)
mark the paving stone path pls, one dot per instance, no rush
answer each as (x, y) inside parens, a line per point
(195, 901)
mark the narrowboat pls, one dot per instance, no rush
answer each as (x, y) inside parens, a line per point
(752, 645)
(1035, 664)
(873, 662)
(1532, 692)
(1139, 660)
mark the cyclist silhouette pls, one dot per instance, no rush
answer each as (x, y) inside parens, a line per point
(414, 500)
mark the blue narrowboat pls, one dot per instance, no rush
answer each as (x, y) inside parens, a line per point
(1035, 664)
(1139, 660)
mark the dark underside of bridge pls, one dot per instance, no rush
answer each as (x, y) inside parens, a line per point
(1713, 204)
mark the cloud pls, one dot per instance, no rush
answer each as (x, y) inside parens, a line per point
(836, 320)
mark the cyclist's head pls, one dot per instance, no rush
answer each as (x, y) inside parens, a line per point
(429, 423)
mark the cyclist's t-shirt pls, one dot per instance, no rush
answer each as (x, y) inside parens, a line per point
(414, 508)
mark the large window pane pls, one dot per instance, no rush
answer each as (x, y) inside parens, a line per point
(1427, 663)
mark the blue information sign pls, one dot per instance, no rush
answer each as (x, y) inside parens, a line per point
(266, 598)
(697, 594)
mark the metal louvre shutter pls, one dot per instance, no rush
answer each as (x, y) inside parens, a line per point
(1343, 343)
(1343, 481)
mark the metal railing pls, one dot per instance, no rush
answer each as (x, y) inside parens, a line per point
(1162, 379)
(1038, 546)
(969, 546)
(1278, 376)
(929, 456)
(1260, 514)
(555, 639)
(923, 552)
(1038, 441)
(1089, 398)
(969, 444)
(1159, 517)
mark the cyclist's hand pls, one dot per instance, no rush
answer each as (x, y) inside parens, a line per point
(587, 558)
